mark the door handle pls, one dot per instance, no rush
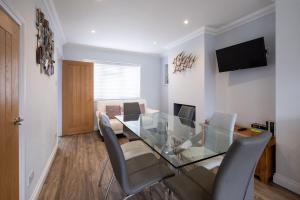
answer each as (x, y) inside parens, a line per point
(18, 121)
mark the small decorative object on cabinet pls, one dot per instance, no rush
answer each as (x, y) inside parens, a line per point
(45, 44)
(183, 61)
(266, 165)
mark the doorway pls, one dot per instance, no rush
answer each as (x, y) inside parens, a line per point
(9, 107)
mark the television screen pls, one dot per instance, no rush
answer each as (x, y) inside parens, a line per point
(241, 56)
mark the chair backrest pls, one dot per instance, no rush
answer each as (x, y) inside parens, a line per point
(101, 104)
(223, 120)
(132, 108)
(186, 112)
(104, 120)
(237, 168)
(115, 154)
(220, 131)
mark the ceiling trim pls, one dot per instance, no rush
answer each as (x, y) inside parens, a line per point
(13, 13)
(216, 31)
(51, 10)
(247, 19)
(196, 33)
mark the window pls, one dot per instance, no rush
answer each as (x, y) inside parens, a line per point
(113, 81)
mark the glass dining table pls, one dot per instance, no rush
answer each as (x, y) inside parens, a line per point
(179, 141)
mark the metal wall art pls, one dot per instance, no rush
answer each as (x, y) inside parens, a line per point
(183, 61)
(45, 44)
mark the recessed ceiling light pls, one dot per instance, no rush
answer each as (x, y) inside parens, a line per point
(155, 43)
(186, 21)
(93, 31)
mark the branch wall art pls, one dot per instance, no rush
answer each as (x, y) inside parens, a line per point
(183, 61)
(45, 44)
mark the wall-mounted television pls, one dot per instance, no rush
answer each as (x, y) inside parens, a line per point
(242, 56)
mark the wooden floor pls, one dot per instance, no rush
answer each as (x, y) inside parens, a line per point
(76, 170)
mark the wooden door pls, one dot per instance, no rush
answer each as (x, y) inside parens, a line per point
(9, 108)
(78, 97)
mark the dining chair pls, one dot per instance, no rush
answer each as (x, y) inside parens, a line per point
(226, 123)
(234, 179)
(130, 150)
(136, 174)
(186, 112)
(218, 135)
(131, 112)
(223, 120)
(132, 108)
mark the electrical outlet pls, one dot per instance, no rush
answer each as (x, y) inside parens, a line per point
(30, 177)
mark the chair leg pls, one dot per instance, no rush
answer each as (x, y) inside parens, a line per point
(101, 176)
(167, 194)
(108, 187)
(171, 195)
(150, 193)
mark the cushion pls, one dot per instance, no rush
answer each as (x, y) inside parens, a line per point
(211, 163)
(142, 108)
(135, 148)
(116, 125)
(113, 110)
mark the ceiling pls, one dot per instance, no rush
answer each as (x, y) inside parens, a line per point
(145, 25)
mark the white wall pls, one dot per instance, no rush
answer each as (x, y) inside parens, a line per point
(287, 94)
(250, 92)
(187, 87)
(39, 93)
(150, 66)
(195, 86)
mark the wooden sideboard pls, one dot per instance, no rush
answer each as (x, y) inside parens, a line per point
(266, 164)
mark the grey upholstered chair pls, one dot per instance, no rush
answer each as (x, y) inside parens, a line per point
(132, 108)
(186, 112)
(130, 150)
(135, 174)
(131, 112)
(235, 177)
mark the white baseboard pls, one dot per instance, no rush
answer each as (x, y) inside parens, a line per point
(44, 174)
(286, 182)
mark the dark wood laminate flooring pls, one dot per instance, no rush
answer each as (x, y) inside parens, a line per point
(76, 169)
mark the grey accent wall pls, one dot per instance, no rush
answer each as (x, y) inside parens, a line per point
(250, 92)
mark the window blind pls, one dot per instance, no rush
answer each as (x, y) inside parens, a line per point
(113, 81)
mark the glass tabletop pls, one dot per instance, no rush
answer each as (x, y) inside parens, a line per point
(180, 141)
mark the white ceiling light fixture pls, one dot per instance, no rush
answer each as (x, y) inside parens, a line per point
(154, 43)
(93, 31)
(186, 21)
